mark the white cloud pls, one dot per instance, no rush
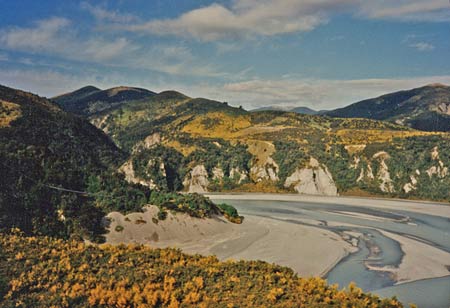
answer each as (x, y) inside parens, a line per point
(318, 94)
(55, 37)
(245, 18)
(43, 36)
(224, 48)
(422, 46)
(173, 60)
(250, 18)
(421, 10)
(102, 14)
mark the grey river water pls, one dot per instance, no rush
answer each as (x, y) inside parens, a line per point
(374, 248)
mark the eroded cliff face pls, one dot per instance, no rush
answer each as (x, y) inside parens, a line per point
(196, 181)
(314, 179)
(438, 168)
(264, 167)
(375, 173)
(383, 174)
(130, 176)
(238, 175)
(386, 181)
(266, 170)
(149, 142)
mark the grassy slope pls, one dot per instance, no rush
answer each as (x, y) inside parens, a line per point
(190, 126)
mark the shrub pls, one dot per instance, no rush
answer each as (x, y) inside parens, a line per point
(162, 214)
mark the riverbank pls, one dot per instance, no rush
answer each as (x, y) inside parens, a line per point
(302, 232)
(308, 250)
(422, 207)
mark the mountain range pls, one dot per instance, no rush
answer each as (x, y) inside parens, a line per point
(426, 108)
(301, 110)
(178, 143)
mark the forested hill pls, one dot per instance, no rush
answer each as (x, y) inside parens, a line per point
(90, 100)
(41, 147)
(175, 143)
(426, 108)
(59, 172)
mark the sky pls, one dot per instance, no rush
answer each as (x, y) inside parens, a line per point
(321, 54)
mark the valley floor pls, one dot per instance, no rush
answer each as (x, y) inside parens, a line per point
(282, 234)
(308, 250)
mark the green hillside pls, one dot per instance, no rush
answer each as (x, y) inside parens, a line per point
(426, 108)
(178, 143)
(59, 173)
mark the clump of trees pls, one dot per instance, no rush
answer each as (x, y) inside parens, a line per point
(193, 204)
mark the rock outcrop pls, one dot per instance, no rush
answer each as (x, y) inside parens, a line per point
(315, 179)
(383, 174)
(128, 170)
(149, 142)
(238, 175)
(197, 180)
(408, 187)
(264, 168)
(268, 170)
(218, 173)
(438, 168)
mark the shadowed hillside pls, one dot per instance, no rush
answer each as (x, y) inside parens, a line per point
(60, 173)
(426, 108)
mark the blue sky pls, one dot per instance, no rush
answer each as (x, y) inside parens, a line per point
(316, 53)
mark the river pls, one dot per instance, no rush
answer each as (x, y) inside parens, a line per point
(367, 226)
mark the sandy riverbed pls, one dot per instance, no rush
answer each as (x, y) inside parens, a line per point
(307, 250)
(421, 261)
(422, 207)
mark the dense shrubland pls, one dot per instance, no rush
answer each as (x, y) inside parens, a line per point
(296, 138)
(45, 272)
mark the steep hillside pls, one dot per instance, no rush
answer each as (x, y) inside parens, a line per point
(89, 100)
(43, 147)
(59, 173)
(133, 122)
(199, 145)
(426, 108)
(77, 275)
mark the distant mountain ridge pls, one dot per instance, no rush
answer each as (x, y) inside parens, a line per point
(89, 100)
(426, 108)
(301, 109)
